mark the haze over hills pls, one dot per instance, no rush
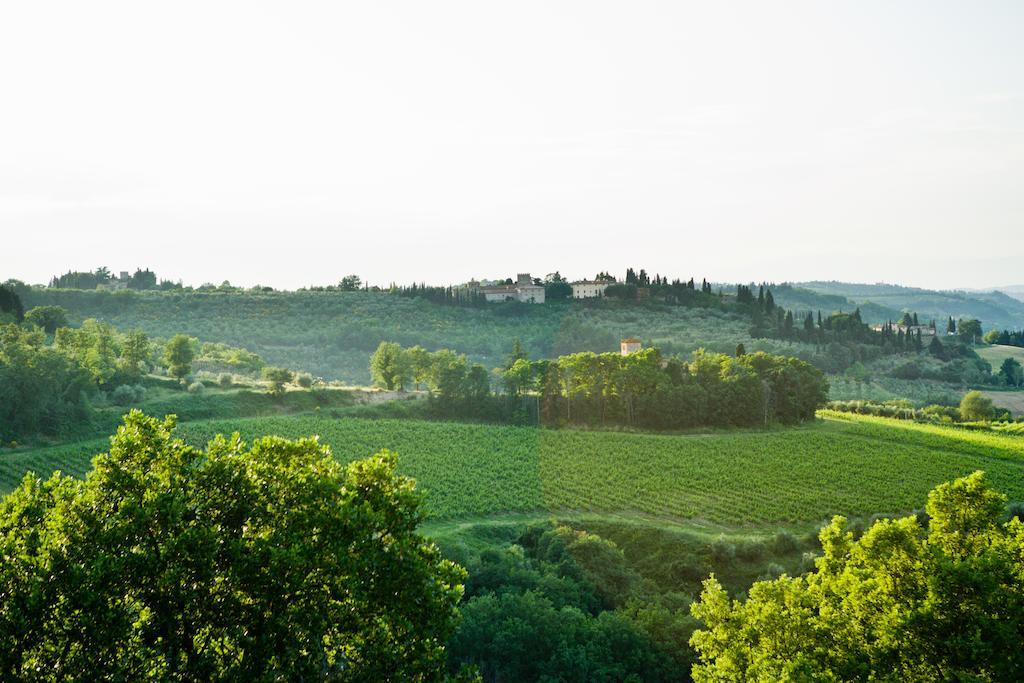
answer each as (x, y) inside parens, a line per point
(881, 301)
(1016, 291)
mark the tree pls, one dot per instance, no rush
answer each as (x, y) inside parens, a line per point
(135, 349)
(269, 562)
(350, 283)
(417, 361)
(388, 367)
(1011, 372)
(557, 290)
(92, 347)
(47, 317)
(142, 279)
(741, 350)
(935, 348)
(898, 604)
(975, 406)
(178, 354)
(517, 353)
(10, 305)
(276, 378)
(969, 331)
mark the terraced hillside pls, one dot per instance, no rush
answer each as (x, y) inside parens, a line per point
(839, 465)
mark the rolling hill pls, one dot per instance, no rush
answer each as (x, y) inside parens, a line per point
(879, 302)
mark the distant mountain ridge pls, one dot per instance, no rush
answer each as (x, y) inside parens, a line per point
(882, 301)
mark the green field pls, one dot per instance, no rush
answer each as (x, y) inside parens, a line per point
(841, 464)
(997, 353)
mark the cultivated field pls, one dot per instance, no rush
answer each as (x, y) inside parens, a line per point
(842, 464)
(1010, 400)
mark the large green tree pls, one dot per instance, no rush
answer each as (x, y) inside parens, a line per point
(245, 563)
(50, 318)
(902, 603)
(178, 354)
(389, 367)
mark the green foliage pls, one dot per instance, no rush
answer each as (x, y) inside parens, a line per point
(969, 330)
(178, 354)
(1011, 372)
(975, 406)
(47, 317)
(331, 333)
(388, 368)
(92, 346)
(269, 562)
(127, 394)
(276, 378)
(11, 308)
(897, 604)
(42, 389)
(642, 389)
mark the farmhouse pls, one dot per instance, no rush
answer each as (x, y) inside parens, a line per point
(589, 289)
(523, 290)
(631, 345)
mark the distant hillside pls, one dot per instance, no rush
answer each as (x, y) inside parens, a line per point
(801, 299)
(332, 334)
(1016, 291)
(881, 301)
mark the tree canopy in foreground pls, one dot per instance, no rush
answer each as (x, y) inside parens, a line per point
(901, 603)
(269, 562)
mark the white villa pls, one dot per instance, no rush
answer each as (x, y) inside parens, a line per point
(523, 290)
(589, 289)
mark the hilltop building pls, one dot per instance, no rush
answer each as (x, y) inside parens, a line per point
(523, 290)
(631, 345)
(925, 330)
(589, 289)
(116, 283)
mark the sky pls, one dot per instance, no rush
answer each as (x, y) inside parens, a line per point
(291, 143)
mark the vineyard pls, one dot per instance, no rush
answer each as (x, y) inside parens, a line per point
(843, 464)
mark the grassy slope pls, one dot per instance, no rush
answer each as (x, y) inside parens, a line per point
(997, 353)
(1010, 400)
(332, 334)
(841, 465)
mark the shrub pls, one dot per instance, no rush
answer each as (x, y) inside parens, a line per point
(123, 395)
(195, 388)
(128, 394)
(226, 380)
(304, 380)
(975, 407)
(784, 543)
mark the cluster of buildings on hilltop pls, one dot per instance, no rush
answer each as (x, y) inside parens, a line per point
(526, 290)
(119, 282)
(923, 330)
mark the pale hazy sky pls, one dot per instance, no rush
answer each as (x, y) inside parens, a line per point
(290, 143)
